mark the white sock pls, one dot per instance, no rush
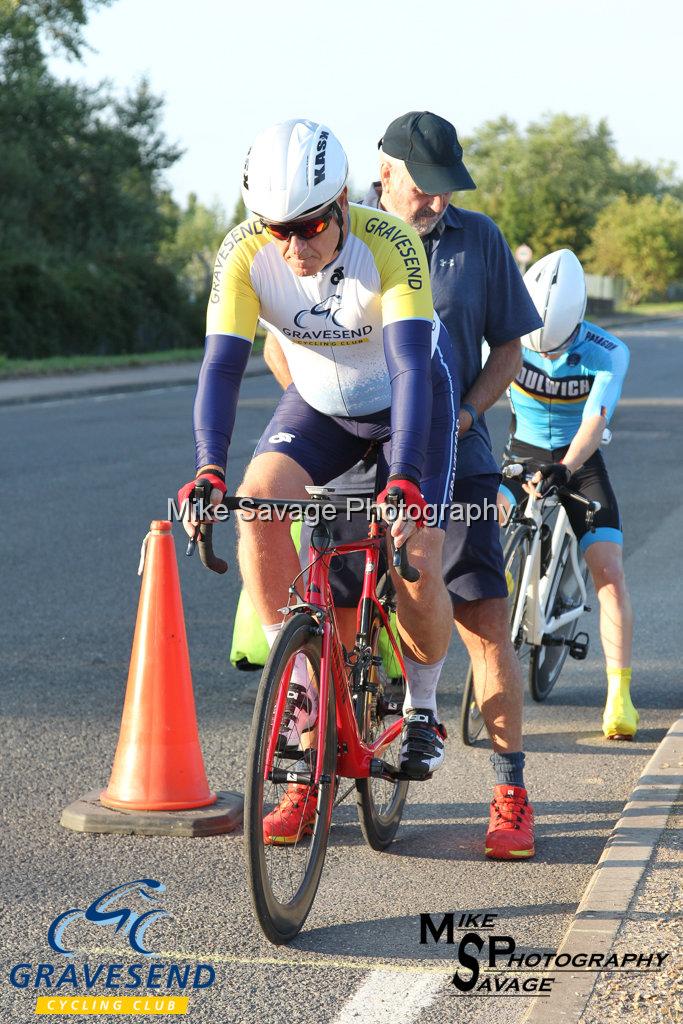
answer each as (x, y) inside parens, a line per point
(300, 670)
(271, 633)
(421, 683)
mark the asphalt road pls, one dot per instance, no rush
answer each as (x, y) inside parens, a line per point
(84, 478)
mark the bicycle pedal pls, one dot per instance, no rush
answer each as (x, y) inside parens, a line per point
(578, 647)
(380, 769)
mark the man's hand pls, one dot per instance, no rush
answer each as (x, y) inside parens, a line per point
(410, 510)
(551, 474)
(186, 492)
(465, 421)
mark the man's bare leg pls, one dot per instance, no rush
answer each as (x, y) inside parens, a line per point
(267, 556)
(485, 631)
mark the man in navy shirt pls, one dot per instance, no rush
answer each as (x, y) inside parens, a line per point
(478, 293)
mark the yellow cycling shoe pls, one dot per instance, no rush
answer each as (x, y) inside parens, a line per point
(620, 718)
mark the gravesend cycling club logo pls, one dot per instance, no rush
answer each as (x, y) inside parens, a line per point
(488, 964)
(143, 986)
(103, 912)
(322, 324)
(325, 309)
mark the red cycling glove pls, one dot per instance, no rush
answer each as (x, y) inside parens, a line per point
(411, 498)
(187, 490)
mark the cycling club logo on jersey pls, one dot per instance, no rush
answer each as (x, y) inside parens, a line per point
(320, 324)
(324, 309)
(104, 912)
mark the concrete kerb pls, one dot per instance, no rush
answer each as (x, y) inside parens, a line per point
(613, 885)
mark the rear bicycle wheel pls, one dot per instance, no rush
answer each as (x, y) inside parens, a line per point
(547, 660)
(379, 703)
(515, 550)
(283, 878)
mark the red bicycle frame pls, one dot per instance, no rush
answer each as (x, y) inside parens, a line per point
(353, 755)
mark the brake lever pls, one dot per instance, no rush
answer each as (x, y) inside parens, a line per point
(400, 561)
(203, 534)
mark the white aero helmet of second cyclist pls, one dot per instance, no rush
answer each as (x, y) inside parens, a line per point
(294, 169)
(557, 286)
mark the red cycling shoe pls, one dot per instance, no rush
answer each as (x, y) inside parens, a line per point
(293, 817)
(511, 825)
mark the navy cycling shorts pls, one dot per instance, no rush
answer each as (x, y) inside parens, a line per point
(328, 446)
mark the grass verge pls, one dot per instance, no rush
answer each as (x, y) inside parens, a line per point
(653, 309)
(82, 364)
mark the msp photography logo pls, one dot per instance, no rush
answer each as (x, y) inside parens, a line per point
(502, 971)
(145, 986)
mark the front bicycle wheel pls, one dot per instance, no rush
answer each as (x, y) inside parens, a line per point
(283, 872)
(379, 703)
(547, 660)
(515, 550)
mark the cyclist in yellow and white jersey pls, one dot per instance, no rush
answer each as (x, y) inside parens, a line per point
(346, 290)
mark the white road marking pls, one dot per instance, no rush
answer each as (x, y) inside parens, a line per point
(388, 998)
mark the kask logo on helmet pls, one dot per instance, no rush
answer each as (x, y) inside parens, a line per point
(319, 172)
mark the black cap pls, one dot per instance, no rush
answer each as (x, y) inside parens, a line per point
(429, 147)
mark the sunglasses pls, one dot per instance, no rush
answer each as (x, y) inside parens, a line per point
(302, 228)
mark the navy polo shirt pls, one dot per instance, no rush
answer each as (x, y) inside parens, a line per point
(478, 293)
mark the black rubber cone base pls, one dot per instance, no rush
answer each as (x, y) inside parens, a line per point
(89, 815)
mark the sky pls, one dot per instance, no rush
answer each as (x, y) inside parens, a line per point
(227, 70)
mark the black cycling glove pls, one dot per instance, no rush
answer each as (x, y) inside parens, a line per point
(554, 474)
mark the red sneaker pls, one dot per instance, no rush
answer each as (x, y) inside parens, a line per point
(293, 817)
(511, 825)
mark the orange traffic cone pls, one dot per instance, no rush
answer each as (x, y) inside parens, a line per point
(158, 783)
(158, 764)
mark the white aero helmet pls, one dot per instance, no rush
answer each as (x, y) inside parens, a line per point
(294, 169)
(557, 285)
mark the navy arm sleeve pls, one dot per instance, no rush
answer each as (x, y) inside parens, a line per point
(215, 404)
(408, 352)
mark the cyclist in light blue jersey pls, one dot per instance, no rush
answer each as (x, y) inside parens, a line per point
(562, 400)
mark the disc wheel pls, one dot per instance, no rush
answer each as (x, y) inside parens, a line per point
(379, 703)
(546, 661)
(515, 550)
(283, 879)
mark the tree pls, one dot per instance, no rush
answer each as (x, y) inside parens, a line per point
(85, 212)
(640, 240)
(59, 22)
(192, 250)
(547, 185)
